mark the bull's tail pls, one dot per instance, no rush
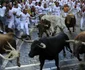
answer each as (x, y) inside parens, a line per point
(17, 37)
(20, 38)
(26, 41)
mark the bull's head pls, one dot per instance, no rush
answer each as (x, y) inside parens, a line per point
(78, 48)
(36, 47)
(75, 41)
(69, 17)
(78, 45)
(12, 55)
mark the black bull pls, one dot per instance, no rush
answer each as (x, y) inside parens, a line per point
(49, 48)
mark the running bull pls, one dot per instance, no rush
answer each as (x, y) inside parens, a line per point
(79, 45)
(56, 26)
(49, 48)
(43, 27)
(8, 46)
(70, 21)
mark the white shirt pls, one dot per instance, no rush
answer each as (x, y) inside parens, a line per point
(45, 10)
(10, 13)
(18, 13)
(83, 15)
(57, 11)
(2, 11)
(40, 8)
(60, 2)
(73, 4)
(25, 18)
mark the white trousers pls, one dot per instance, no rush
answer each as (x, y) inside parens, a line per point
(82, 23)
(17, 23)
(11, 24)
(24, 27)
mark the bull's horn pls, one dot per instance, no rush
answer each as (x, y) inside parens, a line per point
(43, 45)
(10, 46)
(28, 41)
(14, 53)
(83, 43)
(73, 41)
(70, 40)
(6, 50)
(2, 56)
(5, 57)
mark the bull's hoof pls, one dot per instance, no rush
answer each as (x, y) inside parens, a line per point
(64, 55)
(80, 59)
(58, 68)
(70, 32)
(1, 32)
(18, 64)
(73, 30)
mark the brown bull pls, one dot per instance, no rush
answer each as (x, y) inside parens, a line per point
(43, 27)
(8, 46)
(70, 21)
(79, 45)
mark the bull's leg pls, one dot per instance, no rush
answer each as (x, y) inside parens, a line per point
(18, 60)
(76, 51)
(69, 49)
(69, 29)
(57, 62)
(64, 53)
(78, 57)
(40, 34)
(41, 63)
(47, 33)
(73, 28)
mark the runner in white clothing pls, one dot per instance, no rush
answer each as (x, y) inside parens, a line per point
(82, 22)
(25, 17)
(2, 12)
(10, 17)
(40, 8)
(57, 9)
(17, 16)
(45, 9)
